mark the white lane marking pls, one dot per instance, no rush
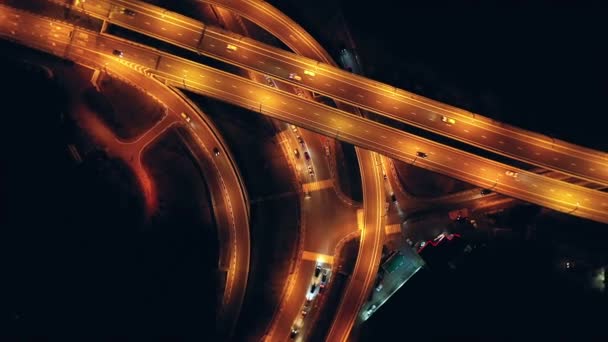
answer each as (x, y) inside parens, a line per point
(361, 96)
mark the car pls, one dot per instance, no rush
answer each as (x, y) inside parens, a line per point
(269, 81)
(117, 53)
(306, 155)
(379, 287)
(311, 171)
(511, 173)
(296, 153)
(421, 154)
(304, 312)
(294, 76)
(231, 47)
(313, 287)
(300, 140)
(216, 152)
(485, 191)
(309, 73)
(326, 150)
(294, 332)
(185, 117)
(323, 280)
(447, 120)
(370, 310)
(317, 271)
(128, 12)
(293, 128)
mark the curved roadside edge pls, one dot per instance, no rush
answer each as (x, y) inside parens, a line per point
(240, 256)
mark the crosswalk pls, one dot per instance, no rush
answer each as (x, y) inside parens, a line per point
(315, 186)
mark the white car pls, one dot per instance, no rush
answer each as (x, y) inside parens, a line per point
(511, 173)
(295, 77)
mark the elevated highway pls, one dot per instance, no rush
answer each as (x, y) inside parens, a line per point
(323, 78)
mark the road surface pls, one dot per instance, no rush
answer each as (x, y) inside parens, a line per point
(356, 90)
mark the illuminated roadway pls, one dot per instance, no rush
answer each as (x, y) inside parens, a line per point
(527, 186)
(383, 99)
(226, 185)
(396, 144)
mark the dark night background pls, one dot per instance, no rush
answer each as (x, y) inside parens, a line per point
(539, 65)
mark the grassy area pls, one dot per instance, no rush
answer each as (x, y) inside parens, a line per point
(127, 110)
(347, 257)
(349, 175)
(423, 183)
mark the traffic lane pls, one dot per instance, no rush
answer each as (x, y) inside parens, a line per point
(316, 152)
(366, 133)
(328, 221)
(368, 257)
(278, 24)
(294, 300)
(158, 23)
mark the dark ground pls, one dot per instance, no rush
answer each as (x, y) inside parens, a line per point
(77, 255)
(127, 110)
